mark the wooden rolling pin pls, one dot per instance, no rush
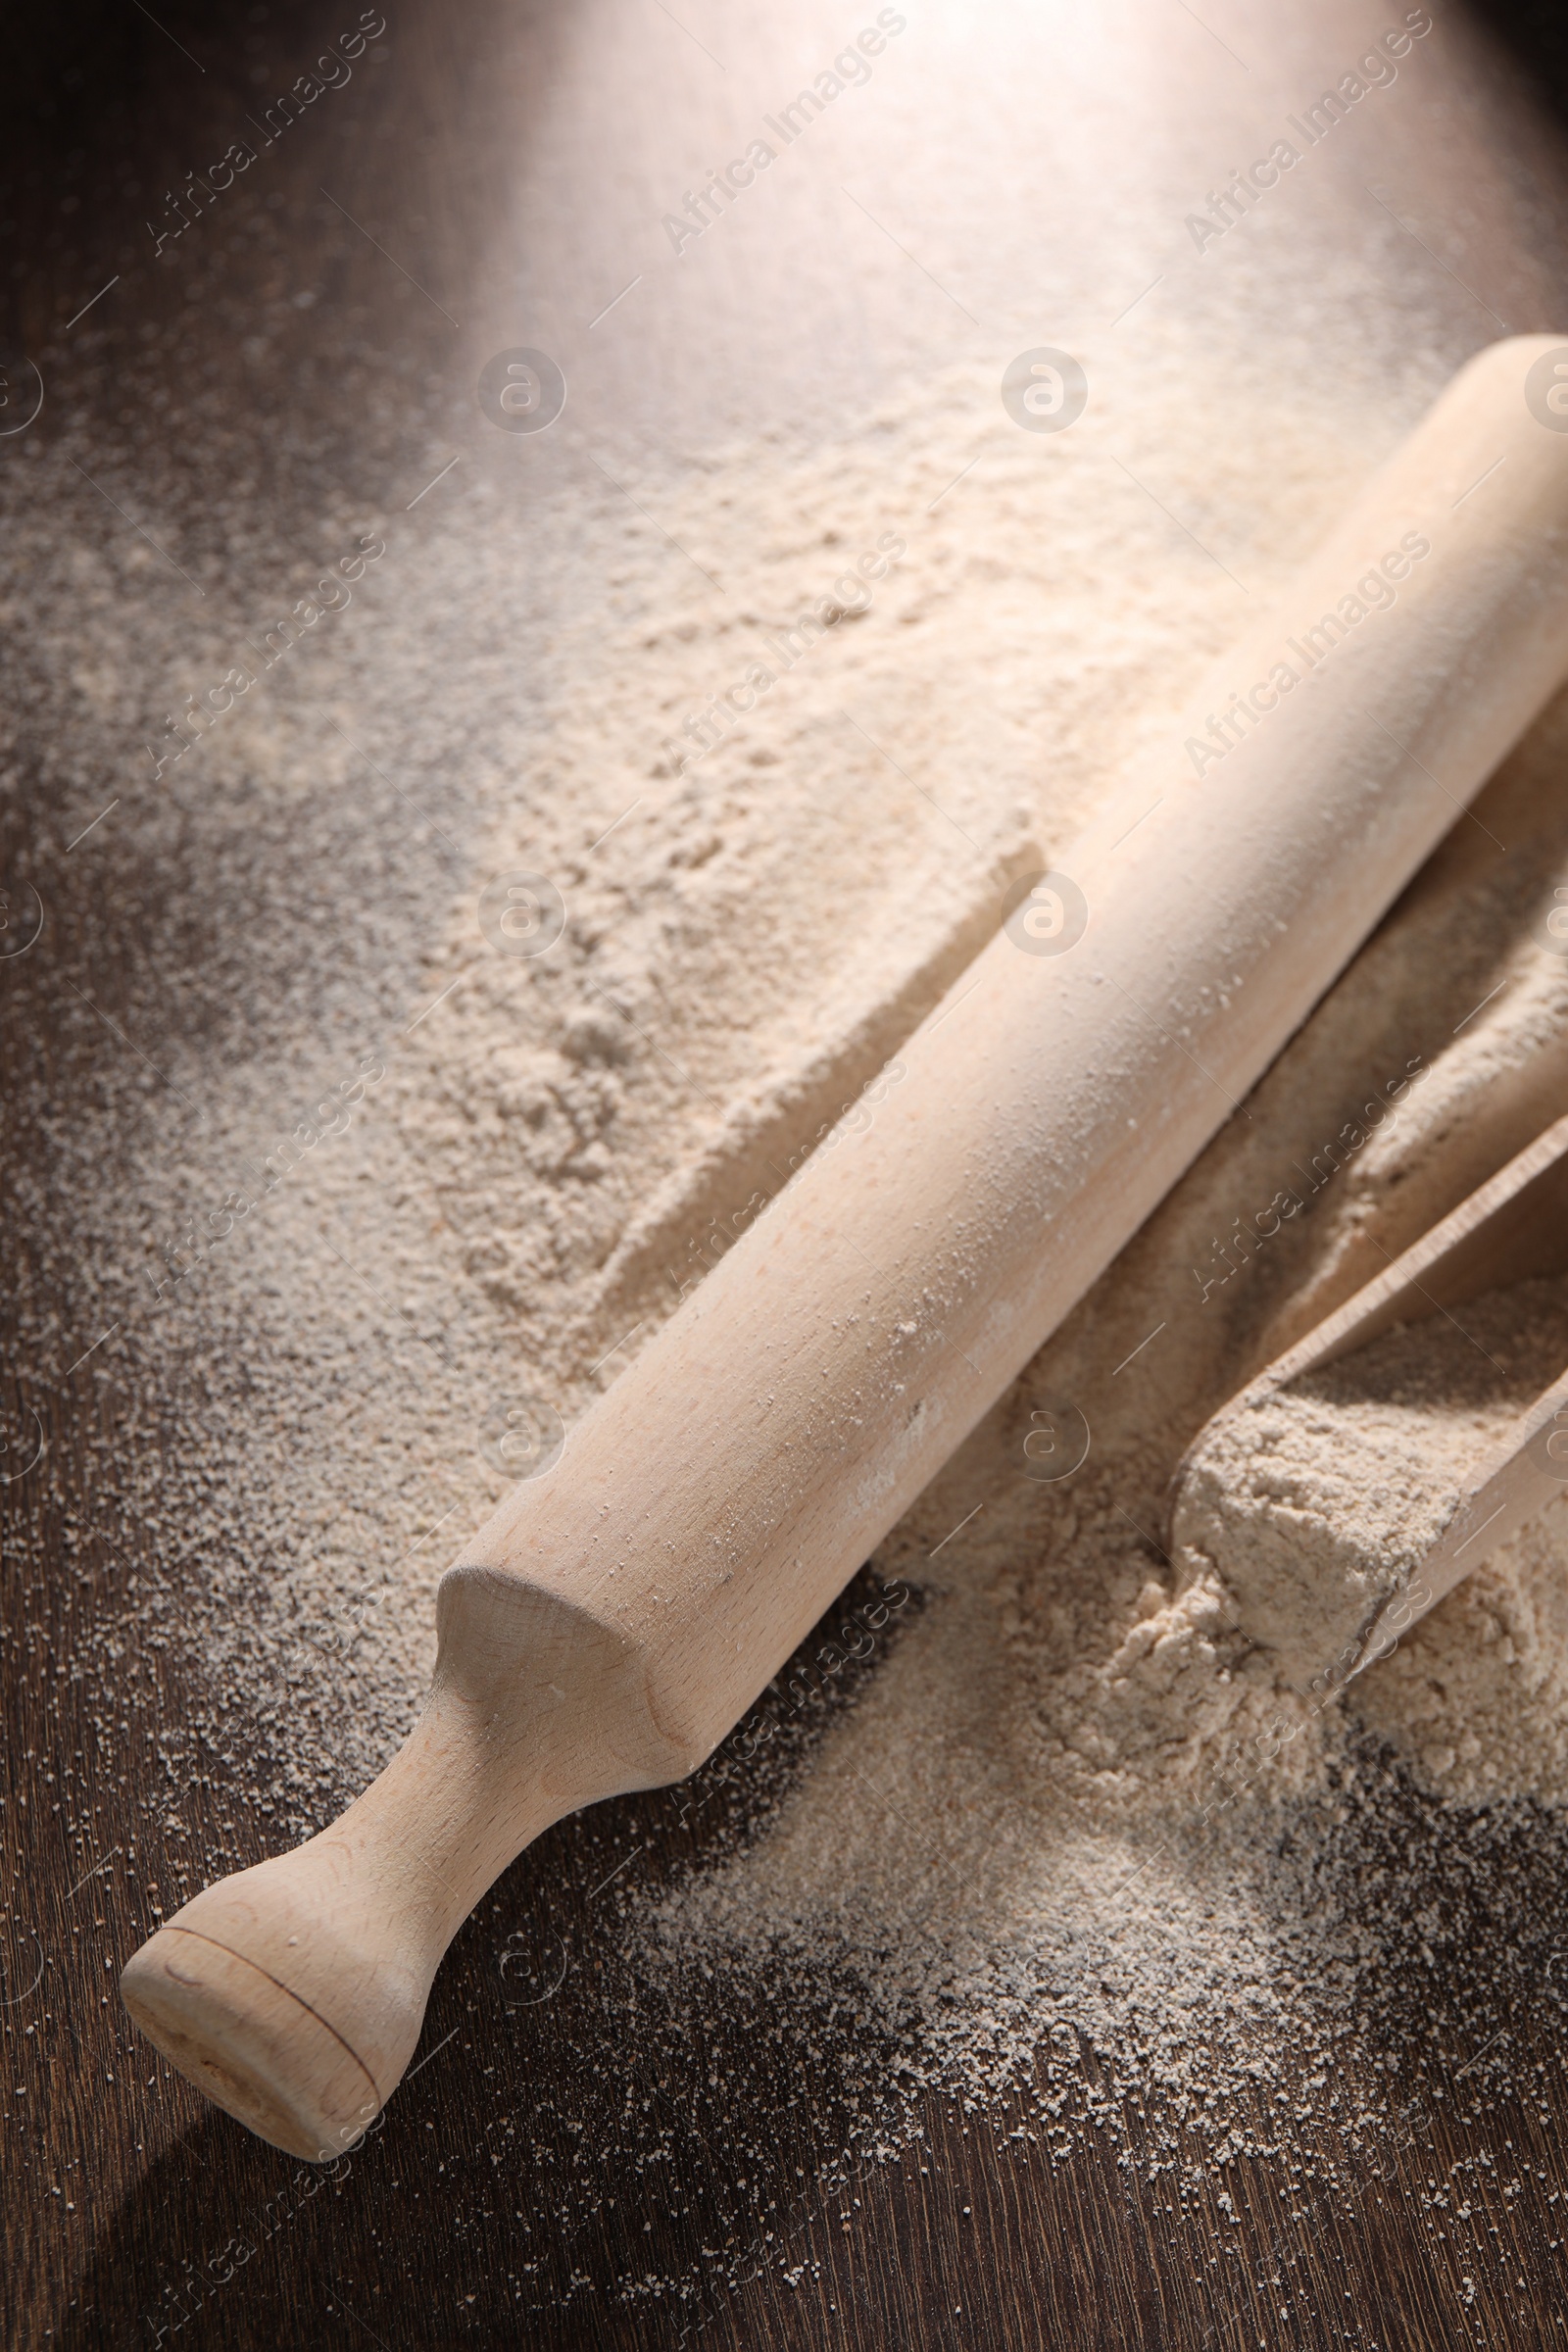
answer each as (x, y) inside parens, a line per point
(614, 1618)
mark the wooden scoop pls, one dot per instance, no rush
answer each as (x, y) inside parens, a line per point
(616, 1616)
(1512, 1228)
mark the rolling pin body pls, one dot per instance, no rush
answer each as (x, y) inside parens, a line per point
(612, 1620)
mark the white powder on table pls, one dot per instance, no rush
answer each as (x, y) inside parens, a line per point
(1057, 1810)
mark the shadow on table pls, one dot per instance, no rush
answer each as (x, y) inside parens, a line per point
(1536, 32)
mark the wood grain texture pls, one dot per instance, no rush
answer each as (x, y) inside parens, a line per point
(578, 2161)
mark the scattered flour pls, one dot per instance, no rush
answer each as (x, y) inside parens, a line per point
(1073, 1807)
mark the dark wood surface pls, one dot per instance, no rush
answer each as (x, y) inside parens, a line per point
(576, 2160)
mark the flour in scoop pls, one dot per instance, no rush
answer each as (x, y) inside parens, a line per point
(1316, 1501)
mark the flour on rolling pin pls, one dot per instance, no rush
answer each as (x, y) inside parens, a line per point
(1316, 1501)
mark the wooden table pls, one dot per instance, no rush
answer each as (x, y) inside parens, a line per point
(576, 2159)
